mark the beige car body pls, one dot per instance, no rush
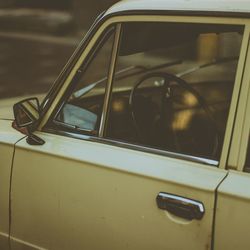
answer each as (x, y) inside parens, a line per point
(82, 194)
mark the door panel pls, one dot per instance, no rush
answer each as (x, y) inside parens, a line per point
(76, 194)
(232, 216)
(8, 137)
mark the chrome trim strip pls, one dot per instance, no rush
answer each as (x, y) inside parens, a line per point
(141, 148)
(110, 81)
(160, 152)
(74, 127)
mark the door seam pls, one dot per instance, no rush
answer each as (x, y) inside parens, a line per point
(215, 208)
(10, 188)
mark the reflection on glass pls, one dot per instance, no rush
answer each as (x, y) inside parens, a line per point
(177, 93)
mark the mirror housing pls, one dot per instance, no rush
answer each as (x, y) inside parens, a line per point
(27, 113)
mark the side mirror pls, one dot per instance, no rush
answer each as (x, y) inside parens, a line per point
(26, 112)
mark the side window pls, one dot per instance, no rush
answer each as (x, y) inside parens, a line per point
(82, 110)
(247, 163)
(173, 86)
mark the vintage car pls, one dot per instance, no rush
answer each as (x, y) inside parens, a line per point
(142, 141)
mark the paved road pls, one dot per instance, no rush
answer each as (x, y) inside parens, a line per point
(29, 63)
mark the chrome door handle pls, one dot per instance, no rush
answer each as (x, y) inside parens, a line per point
(183, 207)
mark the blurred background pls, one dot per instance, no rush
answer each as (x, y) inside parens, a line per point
(37, 37)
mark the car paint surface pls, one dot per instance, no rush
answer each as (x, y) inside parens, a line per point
(105, 193)
(86, 194)
(211, 6)
(8, 137)
(232, 219)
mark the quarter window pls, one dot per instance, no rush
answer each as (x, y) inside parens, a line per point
(83, 108)
(173, 86)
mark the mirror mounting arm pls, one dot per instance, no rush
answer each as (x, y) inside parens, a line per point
(34, 140)
(31, 139)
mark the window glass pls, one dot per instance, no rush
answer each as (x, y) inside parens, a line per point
(173, 86)
(83, 108)
(247, 163)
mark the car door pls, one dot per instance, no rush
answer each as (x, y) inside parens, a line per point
(96, 183)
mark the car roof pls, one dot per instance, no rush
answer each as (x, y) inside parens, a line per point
(211, 7)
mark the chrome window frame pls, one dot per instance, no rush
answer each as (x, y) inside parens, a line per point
(110, 80)
(118, 20)
(82, 70)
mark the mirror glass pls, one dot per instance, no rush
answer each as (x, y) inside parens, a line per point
(26, 112)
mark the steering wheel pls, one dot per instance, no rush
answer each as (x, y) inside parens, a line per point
(167, 112)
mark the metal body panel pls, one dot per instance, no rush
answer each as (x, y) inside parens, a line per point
(73, 192)
(213, 6)
(232, 222)
(8, 137)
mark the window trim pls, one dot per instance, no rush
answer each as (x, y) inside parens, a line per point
(81, 70)
(145, 149)
(109, 86)
(158, 18)
(241, 133)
